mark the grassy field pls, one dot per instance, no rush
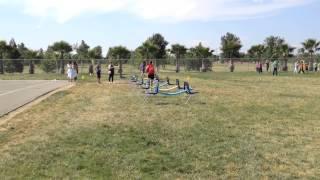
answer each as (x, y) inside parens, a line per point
(241, 125)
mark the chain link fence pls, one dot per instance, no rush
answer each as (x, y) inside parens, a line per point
(128, 67)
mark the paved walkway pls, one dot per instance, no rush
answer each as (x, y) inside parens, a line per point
(16, 93)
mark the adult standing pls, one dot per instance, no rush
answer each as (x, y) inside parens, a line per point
(75, 70)
(306, 65)
(296, 67)
(275, 66)
(260, 67)
(98, 71)
(150, 70)
(267, 65)
(143, 68)
(91, 69)
(69, 71)
(111, 72)
(315, 66)
(302, 66)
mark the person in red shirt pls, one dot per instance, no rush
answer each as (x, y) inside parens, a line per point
(150, 70)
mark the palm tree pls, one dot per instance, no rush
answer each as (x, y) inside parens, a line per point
(120, 53)
(230, 46)
(311, 45)
(273, 46)
(61, 47)
(179, 51)
(286, 52)
(148, 50)
(82, 50)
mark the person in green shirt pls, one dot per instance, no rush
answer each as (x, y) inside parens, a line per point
(275, 66)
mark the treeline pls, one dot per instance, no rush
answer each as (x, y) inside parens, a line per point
(155, 47)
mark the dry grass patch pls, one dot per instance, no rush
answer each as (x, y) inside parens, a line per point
(240, 126)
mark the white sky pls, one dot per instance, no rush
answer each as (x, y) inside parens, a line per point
(164, 10)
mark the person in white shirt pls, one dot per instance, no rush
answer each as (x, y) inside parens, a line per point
(70, 71)
(296, 67)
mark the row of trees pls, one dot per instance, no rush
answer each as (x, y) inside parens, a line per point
(155, 47)
(277, 48)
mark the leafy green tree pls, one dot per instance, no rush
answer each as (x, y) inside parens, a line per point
(12, 53)
(22, 50)
(154, 47)
(40, 54)
(200, 55)
(273, 46)
(147, 50)
(311, 46)
(257, 51)
(230, 47)
(159, 41)
(302, 53)
(62, 48)
(161, 44)
(286, 52)
(82, 50)
(277, 48)
(27, 54)
(95, 53)
(49, 63)
(120, 53)
(179, 51)
(12, 43)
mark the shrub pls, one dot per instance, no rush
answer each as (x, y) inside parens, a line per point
(12, 66)
(48, 65)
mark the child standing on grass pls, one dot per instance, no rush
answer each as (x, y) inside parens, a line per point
(98, 71)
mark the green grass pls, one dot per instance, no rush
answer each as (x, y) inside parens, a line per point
(240, 126)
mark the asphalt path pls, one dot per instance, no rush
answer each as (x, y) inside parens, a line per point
(17, 93)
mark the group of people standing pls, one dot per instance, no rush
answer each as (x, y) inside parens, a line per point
(274, 64)
(110, 72)
(72, 71)
(302, 67)
(149, 69)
